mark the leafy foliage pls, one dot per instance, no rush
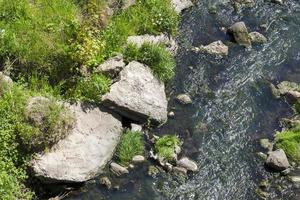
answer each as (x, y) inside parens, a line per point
(131, 144)
(165, 146)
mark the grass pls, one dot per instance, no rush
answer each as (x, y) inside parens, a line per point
(165, 146)
(131, 144)
(155, 56)
(289, 141)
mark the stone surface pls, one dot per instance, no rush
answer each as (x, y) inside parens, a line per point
(187, 164)
(171, 114)
(180, 5)
(138, 95)
(85, 151)
(184, 99)
(180, 170)
(138, 159)
(240, 34)
(266, 144)
(215, 48)
(106, 182)
(139, 40)
(257, 37)
(286, 86)
(277, 160)
(136, 127)
(5, 83)
(128, 3)
(112, 66)
(243, 3)
(118, 169)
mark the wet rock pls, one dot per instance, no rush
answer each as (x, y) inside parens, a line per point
(6, 83)
(106, 182)
(171, 114)
(286, 172)
(215, 48)
(275, 91)
(184, 99)
(180, 5)
(295, 180)
(138, 95)
(266, 144)
(286, 86)
(112, 66)
(136, 127)
(240, 34)
(180, 170)
(278, 1)
(257, 37)
(262, 155)
(118, 169)
(139, 40)
(262, 194)
(152, 170)
(138, 159)
(277, 160)
(84, 152)
(264, 184)
(187, 164)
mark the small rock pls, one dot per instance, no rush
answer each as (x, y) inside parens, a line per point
(286, 172)
(138, 159)
(177, 149)
(285, 86)
(168, 166)
(257, 37)
(294, 95)
(275, 91)
(5, 83)
(136, 128)
(180, 170)
(295, 180)
(106, 182)
(264, 184)
(278, 1)
(240, 34)
(171, 114)
(215, 48)
(262, 155)
(266, 144)
(112, 66)
(180, 5)
(262, 194)
(187, 164)
(277, 160)
(152, 170)
(131, 166)
(118, 169)
(184, 99)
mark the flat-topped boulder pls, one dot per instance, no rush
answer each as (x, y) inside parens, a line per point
(139, 40)
(84, 152)
(138, 95)
(180, 5)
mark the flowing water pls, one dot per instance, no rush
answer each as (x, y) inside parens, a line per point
(232, 106)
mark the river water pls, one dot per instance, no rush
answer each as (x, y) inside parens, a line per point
(232, 107)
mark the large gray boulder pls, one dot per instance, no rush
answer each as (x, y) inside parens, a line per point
(84, 152)
(139, 40)
(277, 160)
(240, 34)
(138, 95)
(180, 5)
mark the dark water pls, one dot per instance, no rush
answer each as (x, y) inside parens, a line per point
(233, 107)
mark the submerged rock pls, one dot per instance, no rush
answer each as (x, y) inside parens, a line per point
(118, 169)
(257, 37)
(180, 5)
(285, 86)
(277, 160)
(138, 95)
(84, 152)
(187, 164)
(184, 99)
(112, 66)
(106, 182)
(139, 40)
(240, 34)
(215, 48)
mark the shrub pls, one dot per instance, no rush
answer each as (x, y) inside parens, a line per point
(155, 56)
(131, 144)
(166, 145)
(91, 88)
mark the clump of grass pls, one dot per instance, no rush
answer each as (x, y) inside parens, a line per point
(131, 144)
(165, 146)
(289, 141)
(155, 56)
(91, 88)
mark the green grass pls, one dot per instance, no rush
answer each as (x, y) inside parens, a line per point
(165, 146)
(155, 56)
(289, 141)
(131, 144)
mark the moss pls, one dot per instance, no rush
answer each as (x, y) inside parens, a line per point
(131, 144)
(166, 146)
(289, 141)
(155, 56)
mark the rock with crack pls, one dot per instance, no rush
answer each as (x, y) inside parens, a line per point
(84, 152)
(215, 48)
(240, 34)
(180, 5)
(112, 66)
(139, 40)
(138, 95)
